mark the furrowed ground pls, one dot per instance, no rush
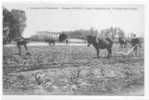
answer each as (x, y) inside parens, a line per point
(72, 70)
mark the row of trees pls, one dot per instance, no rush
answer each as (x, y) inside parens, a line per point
(79, 34)
(113, 32)
(14, 23)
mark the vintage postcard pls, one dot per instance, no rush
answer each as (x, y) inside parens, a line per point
(73, 49)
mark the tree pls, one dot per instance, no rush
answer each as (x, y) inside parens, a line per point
(62, 37)
(14, 20)
(112, 32)
(93, 31)
(6, 25)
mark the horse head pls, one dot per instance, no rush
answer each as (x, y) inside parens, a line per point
(90, 40)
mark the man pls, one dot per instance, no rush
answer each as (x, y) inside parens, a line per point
(135, 42)
(21, 41)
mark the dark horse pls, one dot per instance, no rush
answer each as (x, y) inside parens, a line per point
(123, 42)
(100, 44)
(21, 42)
(50, 42)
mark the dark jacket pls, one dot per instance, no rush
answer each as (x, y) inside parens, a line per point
(135, 41)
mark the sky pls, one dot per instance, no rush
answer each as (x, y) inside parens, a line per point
(57, 18)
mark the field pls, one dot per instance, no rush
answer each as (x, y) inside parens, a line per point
(72, 70)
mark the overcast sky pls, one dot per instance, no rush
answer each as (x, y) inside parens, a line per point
(40, 17)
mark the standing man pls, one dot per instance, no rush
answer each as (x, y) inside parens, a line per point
(21, 41)
(135, 42)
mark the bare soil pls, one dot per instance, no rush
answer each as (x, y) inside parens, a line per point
(72, 70)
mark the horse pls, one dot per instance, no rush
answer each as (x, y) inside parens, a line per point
(50, 42)
(21, 42)
(106, 43)
(53, 42)
(123, 42)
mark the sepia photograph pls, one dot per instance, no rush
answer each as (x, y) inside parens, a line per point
(73, 49)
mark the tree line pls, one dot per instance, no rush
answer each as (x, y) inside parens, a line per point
(80, 34)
